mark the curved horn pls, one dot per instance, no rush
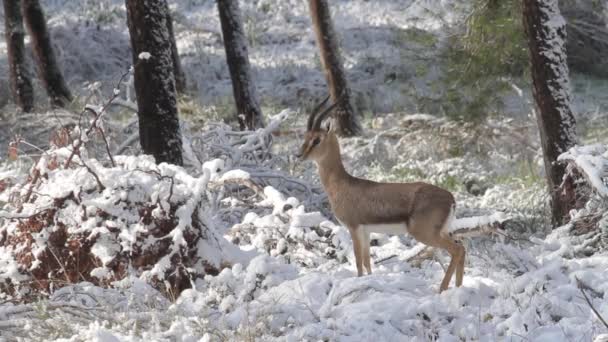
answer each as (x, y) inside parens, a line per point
(319, 118)
(311, 118)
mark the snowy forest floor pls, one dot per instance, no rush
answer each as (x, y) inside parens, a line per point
(300, 282)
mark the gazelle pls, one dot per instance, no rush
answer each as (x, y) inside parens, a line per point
(363, 206)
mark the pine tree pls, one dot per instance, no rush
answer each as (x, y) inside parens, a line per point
(345, 123)
(159, 131)
(546, 32)
(245, 97)
(21, 84)
(49, 71)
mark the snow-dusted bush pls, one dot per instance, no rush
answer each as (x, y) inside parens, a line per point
(78, 219)
(100, 224)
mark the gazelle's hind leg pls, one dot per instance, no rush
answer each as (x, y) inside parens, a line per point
(356, 237)
(457, 253)
(365, 245)
(460, 267)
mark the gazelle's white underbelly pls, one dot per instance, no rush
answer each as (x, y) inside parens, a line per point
(385, 228)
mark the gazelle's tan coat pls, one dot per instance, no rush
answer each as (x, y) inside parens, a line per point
(423, 210)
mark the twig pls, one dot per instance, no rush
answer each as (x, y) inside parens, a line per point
(105, 140)
(31, 188)
(97, 116)
(160, 177)
(580, 286)
(100, 186)
(386, 259)
(19, 216)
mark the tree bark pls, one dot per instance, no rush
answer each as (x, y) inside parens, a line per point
(180, 76)
(345, 123)
(159, 131)
(48, 69)
(21, 84)
(248, 109)
(546, 32)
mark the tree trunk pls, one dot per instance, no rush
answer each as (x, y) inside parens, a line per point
(48, 69)
(21, 85)
(180, 76)
(346, 123)
(546, 32)
(159, 131)
(245, 97)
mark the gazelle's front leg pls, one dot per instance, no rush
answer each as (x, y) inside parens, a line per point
(356, 237)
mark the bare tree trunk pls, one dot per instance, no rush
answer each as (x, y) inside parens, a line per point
(48, 69)
(346, 123)
(245, 97)
(21, 85)
(180, 76)
(546, 31)
(159, 131)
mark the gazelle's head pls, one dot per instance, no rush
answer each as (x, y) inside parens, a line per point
(318, 141)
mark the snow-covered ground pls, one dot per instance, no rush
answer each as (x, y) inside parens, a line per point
(298, 282)
(291, 274)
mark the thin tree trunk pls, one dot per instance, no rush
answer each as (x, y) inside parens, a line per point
(546, 32)
(346, 123)
(48, 69)
(245, 97)
(21, 85)
(180, 76)
(159, 131)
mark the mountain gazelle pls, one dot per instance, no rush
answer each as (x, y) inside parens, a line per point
(423, 210)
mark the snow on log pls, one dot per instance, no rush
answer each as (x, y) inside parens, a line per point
(592, 162)
(476, 225)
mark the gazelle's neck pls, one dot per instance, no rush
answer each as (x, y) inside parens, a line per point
(331, 169)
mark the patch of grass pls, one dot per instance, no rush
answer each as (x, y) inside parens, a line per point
(593, 134)
(455, 150)
(450, 183)
(422, 69)
(407, 174)
(523, 172)
(191, 110)
(417, 36)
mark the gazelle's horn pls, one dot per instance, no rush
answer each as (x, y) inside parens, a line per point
(319, 118)
(313, 114)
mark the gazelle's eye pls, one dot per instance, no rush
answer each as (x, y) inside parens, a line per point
(316, 141)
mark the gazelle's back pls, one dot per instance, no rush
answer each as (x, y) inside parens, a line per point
(363, 202)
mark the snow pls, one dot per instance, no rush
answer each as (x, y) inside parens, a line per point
(144, 55)
(291, 273)
(235, 174)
